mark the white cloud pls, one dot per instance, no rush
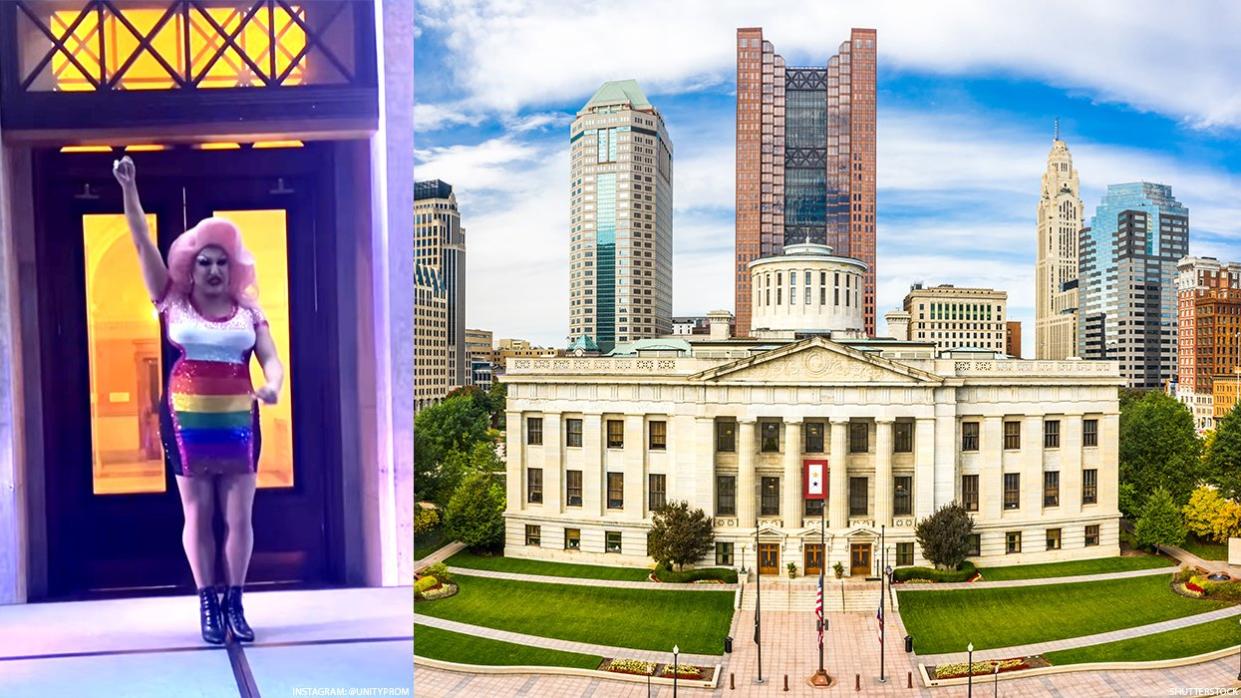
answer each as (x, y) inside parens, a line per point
(508, 55)
(429, 117)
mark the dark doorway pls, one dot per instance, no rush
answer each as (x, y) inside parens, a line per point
(113, 512)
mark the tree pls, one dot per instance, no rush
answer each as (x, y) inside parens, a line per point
(1160, 522)
(455, 424)
(475, 513)
(1223, 460)
(944, 536)
(425, 520)
(1158, 448)
(1201, 512)
(679, 535)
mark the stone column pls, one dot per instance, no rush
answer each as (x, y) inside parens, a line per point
(946, 445)
(633, 467)
(791, 507)
(1032, 465)
(924, 467)
(1109, 463)
(693, 482)
(1071, 464)
(593, 482)
(883, 471)
(838, 476)
(991, 468)
(514, 473)
(553, 463)
(746, 490)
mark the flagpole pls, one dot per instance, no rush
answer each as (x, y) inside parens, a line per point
(883, 556)
(820, 678)
(758, 601)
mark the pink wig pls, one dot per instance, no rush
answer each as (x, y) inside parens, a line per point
(218, 232)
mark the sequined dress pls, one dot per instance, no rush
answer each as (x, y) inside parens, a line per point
(209, 420)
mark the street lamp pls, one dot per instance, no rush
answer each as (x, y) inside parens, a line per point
(970, 648)
(995, 664)
(675, 652)
(1239, 667)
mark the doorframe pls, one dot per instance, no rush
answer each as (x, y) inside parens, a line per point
(769, 546)
(805, 557)
(870, 556)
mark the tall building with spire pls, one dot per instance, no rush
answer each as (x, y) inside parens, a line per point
(805, 158)
(620, 249)
(1060, 214)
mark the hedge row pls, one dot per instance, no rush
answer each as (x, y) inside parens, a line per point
(723, 574)
(904, 574)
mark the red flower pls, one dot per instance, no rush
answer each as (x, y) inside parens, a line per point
(1193, 587)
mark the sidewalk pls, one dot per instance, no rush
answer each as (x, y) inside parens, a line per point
(584, 582)
(439, 555)
(1084, 640)
(563, 645)
(1188, 558)
(1169, 570)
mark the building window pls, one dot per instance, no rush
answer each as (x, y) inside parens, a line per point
(975, 544)
(573, 432)
(724, 554)
(616, 490)
(534, 485)
(814, 507)
(726, 495)
(771, 496)
(1090, 486)
(1051, 433)
(1051, 488)
(969, 436)
(534, 535)
(1090, 432)
(814, 437)
(901, 499)
(1053, 539)
(969, 492)
(659, 436)
(1013, 542)
(656, 493)
(612, 542)
(616, 433)
(857, 496)
(771, 437)
(904, 554)
(858, 433)
(903, 437)
(1012, 490)
(1012, 435)
(573, 488)
(1092, 535)
(573, 539)
(534, 431)
(726, 436)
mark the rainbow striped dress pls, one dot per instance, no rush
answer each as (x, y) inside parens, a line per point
(209, 419)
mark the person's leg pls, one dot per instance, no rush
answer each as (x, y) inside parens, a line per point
(236, 493)
(198, 505)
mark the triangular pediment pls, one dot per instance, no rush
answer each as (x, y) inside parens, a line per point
(817, 361)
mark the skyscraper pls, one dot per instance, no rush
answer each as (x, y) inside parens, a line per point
(620, 250)
(432, 367)
(1056, 287)
(1208, 332)
(1128, 281)
(439, 245)
(805, 158)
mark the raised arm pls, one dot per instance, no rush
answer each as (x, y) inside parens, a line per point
(154, 271)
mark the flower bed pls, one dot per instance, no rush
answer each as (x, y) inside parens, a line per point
(683, 671)
(440, 591)
(628, 666)
(983, 668)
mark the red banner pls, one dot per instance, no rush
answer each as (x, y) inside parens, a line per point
(814, 479)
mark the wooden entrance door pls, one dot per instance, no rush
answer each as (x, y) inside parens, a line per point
(859, 559)
(769, 558)
(812, 558)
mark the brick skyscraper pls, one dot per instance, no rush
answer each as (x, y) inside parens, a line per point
(1208, 334)
(805, 158)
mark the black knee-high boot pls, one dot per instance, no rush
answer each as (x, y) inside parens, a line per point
(235, 616)
(210, 616)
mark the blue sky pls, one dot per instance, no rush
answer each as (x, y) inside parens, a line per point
(967, 93)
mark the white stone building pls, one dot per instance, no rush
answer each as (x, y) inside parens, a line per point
(595, 445)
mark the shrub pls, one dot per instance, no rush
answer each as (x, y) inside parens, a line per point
(1184, 575)
(425, 520)
(475, 514)
(1222, 591)
(964, 574)
(425, 583)
(723, 574)
(683, 671)
(1160, 522)
(944, 535)
(1211, 517)
(440, 571)
(948, 671)
(631, 666)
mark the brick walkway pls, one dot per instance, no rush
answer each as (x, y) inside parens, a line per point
(563, 645)
(1188, 558)
(439, 555)
(1036, 582)
(584, 582)
(1085, 640)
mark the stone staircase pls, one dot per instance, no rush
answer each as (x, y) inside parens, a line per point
(799, 595)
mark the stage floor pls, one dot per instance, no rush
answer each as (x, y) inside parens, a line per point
(323, 642)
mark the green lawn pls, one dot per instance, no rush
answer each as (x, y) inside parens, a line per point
(434, 643)
(1185, 642)
(1067, 569)
(498, 563)
(429, 542)
(636, 618)
(946, 621)
(1206, 549)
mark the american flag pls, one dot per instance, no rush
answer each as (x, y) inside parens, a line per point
(818, 608)
(879, 615)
